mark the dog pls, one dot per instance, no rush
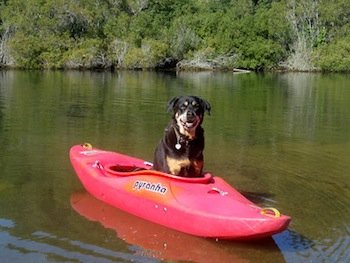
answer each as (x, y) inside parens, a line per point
(180, 151)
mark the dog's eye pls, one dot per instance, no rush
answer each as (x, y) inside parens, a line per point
(183, 107)
(185, 103)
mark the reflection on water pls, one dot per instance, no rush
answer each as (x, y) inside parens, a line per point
(159, 242)
(299, 248)
(281, 139)
(45, 247)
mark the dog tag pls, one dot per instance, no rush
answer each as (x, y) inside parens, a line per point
(178, 146)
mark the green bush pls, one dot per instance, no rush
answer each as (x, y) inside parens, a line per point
(88, 53)
(134, 58)
(26, 50)
(32, 51)
(150, 53)
(334, 56)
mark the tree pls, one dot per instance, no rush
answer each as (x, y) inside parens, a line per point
(253, 34)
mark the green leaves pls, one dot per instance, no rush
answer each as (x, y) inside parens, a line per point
(335, 56)
(259, 35)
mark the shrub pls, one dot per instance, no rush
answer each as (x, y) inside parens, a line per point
(148, 56)
(334, 56)
(87, 53)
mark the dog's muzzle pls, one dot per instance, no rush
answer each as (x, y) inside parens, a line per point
(188, 120)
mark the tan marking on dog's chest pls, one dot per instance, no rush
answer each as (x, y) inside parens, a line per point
(175, 165)
(191, 135)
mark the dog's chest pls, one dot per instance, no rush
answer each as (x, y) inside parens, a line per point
(175, 165)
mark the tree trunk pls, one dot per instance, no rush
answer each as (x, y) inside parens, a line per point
(303, 16)
(5, 56)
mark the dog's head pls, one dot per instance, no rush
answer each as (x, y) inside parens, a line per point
(188, 112)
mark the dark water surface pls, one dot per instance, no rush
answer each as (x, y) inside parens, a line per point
(281, 139)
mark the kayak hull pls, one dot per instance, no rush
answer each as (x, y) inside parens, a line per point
(206, 206)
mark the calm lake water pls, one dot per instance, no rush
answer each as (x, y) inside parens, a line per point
(283, 140)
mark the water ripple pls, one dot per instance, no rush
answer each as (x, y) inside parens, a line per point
(298, 248)
(45, 247)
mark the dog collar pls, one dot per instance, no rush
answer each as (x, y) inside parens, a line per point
(179, 140)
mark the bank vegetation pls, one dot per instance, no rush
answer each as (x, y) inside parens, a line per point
(259, 35)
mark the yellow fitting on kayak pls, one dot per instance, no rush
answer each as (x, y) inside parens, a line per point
(87, 146)
(270, 211)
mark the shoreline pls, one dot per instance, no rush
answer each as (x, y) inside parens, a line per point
(193, 70)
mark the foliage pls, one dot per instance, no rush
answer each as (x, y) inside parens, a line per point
(335, 56)
(251, 34)
(89, 53)
(150, 53)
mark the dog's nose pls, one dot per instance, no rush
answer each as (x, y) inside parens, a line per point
(190, 114)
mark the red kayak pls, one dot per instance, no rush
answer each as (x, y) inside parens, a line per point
(205, 206)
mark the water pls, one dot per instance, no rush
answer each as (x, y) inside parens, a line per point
(281, 139)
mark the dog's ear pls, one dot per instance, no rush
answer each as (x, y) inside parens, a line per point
(172, 103)
(206, 106)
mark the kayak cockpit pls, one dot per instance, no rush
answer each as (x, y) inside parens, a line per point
(132, 170)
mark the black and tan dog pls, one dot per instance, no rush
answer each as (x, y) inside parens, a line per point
(180, 151)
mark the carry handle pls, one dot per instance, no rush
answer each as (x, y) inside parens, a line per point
(271, 212)
(87, 146)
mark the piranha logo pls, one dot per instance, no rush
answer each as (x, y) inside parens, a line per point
(152, 187)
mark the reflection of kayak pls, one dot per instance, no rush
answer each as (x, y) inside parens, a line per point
(205, 206)
(157, 241)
